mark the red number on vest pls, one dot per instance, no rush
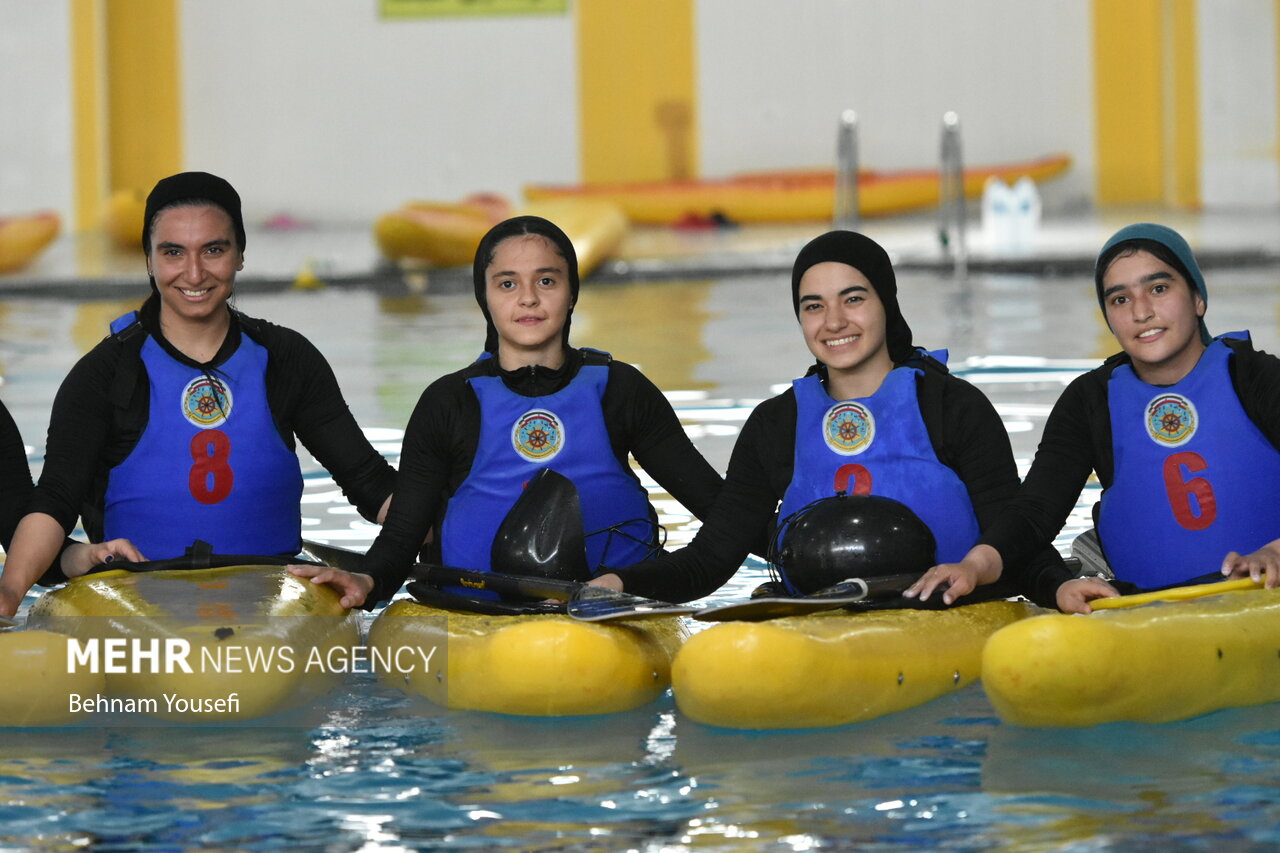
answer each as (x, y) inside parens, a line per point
(1181, 491)
(211, 476)
(861, 479)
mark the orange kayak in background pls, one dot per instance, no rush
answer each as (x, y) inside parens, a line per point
(24, 237)
(789, 196)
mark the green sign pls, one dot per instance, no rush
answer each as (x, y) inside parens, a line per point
(474, 8)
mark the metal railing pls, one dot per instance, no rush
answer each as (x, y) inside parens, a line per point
(845, 213)
(951, 213)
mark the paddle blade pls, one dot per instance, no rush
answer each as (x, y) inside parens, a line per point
(542, 535)
(332, 555)
(851, 591)
(596, 604)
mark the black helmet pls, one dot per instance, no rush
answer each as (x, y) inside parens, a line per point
(542, 535)
(850, 536)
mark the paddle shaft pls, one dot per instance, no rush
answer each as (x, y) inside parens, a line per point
(1177, 593)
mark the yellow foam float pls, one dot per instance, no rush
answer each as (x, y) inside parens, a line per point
(538, 665)
(832, 668)
(1156, 662)
(257, 641)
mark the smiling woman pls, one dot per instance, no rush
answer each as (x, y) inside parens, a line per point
(193, 265)
(875, 415)
(1181, 428)
(530, 402)
(181, 424)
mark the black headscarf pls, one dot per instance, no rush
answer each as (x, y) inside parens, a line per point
(869, 258)
(193, 186)
(515, 227)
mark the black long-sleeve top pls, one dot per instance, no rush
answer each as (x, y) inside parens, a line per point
(102, 408)
(1077, 440)
(15, 477)
(15, 491)
(444, 430)
(964, 430)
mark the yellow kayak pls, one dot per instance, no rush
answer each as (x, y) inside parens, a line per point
(24, 237)
(788, 196)
(447, 234)
(832, 668)
(1155, 662)
(537, 665)
(192, 645)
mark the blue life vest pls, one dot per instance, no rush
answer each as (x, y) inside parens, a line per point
(878, 445)
(566, 432)
(210, 463)
(1194, 477)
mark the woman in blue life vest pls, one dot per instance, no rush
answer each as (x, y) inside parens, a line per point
(531, 402)
(181, 424)
(875, 415)
(1182, 429)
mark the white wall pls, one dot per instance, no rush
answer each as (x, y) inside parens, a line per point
(322, 109)
(36, 166)
(1238, 104)
(774, 78)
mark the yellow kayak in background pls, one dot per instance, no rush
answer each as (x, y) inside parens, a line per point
(536, 665)
(788, 196)
(22, 238)
(1153, 663)
(203, 645)
(447, 234)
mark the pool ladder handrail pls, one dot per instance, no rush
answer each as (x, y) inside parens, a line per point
(845, 211)
(951, 207)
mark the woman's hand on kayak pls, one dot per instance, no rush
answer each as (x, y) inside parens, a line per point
(79, 558)
(1262, 564)
(352, 586)
(609, 581)
(982, 565)
(1074, 595)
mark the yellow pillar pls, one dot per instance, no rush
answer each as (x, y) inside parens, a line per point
(637, 98)
(1182, 59)
(144, 98)
(1146, 102)
(87, 109)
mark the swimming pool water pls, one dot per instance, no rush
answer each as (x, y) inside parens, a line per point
(369, 768)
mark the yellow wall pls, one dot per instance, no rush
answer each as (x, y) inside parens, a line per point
(144, 101)
(1146, 102)
(88, 99)
(127, 99)
(637, 96)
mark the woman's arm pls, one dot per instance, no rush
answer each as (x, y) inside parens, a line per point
(658, 441)
(437, 440)
(315, 410)
(739, 519)
(1018, 524)
(80, 426)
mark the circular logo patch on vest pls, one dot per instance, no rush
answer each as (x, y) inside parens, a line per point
(206, 402)
(538, 435)
(849, 428)
(1171, 420)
